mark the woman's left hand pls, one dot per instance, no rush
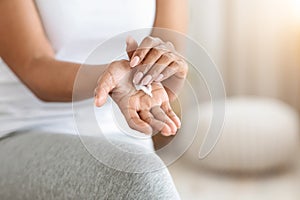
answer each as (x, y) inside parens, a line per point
(142, 112)
(156, 61)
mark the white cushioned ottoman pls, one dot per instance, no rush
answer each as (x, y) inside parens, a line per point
(259, 134)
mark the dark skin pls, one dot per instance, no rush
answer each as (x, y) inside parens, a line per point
(26, 50)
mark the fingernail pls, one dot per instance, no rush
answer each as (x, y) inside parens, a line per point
(134, 61)
(96, 102)
(159, 78)
(99, 100)
(146, 80)
(164, 133)
(129, 39)
(166, 130)
(137, 78)
(179, 125)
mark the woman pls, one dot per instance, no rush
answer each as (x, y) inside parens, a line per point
(43, 44)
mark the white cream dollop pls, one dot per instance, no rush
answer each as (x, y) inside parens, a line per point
(147, 89)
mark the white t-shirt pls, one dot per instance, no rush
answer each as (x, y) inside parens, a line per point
(74, 28)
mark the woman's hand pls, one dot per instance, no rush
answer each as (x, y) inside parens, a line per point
(142, 112)
(156, 61)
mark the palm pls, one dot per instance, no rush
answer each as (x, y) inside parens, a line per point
(142, 112)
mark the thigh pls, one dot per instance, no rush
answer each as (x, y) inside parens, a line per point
(49, 166)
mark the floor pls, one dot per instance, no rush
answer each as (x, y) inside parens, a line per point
(194, 183)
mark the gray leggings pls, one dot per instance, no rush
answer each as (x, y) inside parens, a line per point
(48, 166)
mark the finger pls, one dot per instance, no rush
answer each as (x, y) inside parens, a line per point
(178, 67)
(100, 97)
(134, 121)
(147, 44)
(131, 46)
(151, 58)
(154, 123)
(109, 80)
(105, 84)
(171, 114)
(170, 70)
(170, 45)
(159, 114)
(155, 72)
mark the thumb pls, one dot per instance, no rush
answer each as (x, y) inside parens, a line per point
(100, 97)
(105, 85)
(131, 46)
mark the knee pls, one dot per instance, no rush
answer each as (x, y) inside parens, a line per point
(125, 156)
(132, 173)
(152, 185)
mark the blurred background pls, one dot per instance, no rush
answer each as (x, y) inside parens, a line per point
(256, 46)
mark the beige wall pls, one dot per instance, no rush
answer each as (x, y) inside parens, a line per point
(256, 44)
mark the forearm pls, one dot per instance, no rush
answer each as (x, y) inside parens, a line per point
(173, 15)
(26, 50)
(53, 80)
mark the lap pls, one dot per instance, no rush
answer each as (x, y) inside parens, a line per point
(49, 166)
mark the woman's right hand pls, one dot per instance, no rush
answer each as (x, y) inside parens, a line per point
(142, 112)
(157, 61)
